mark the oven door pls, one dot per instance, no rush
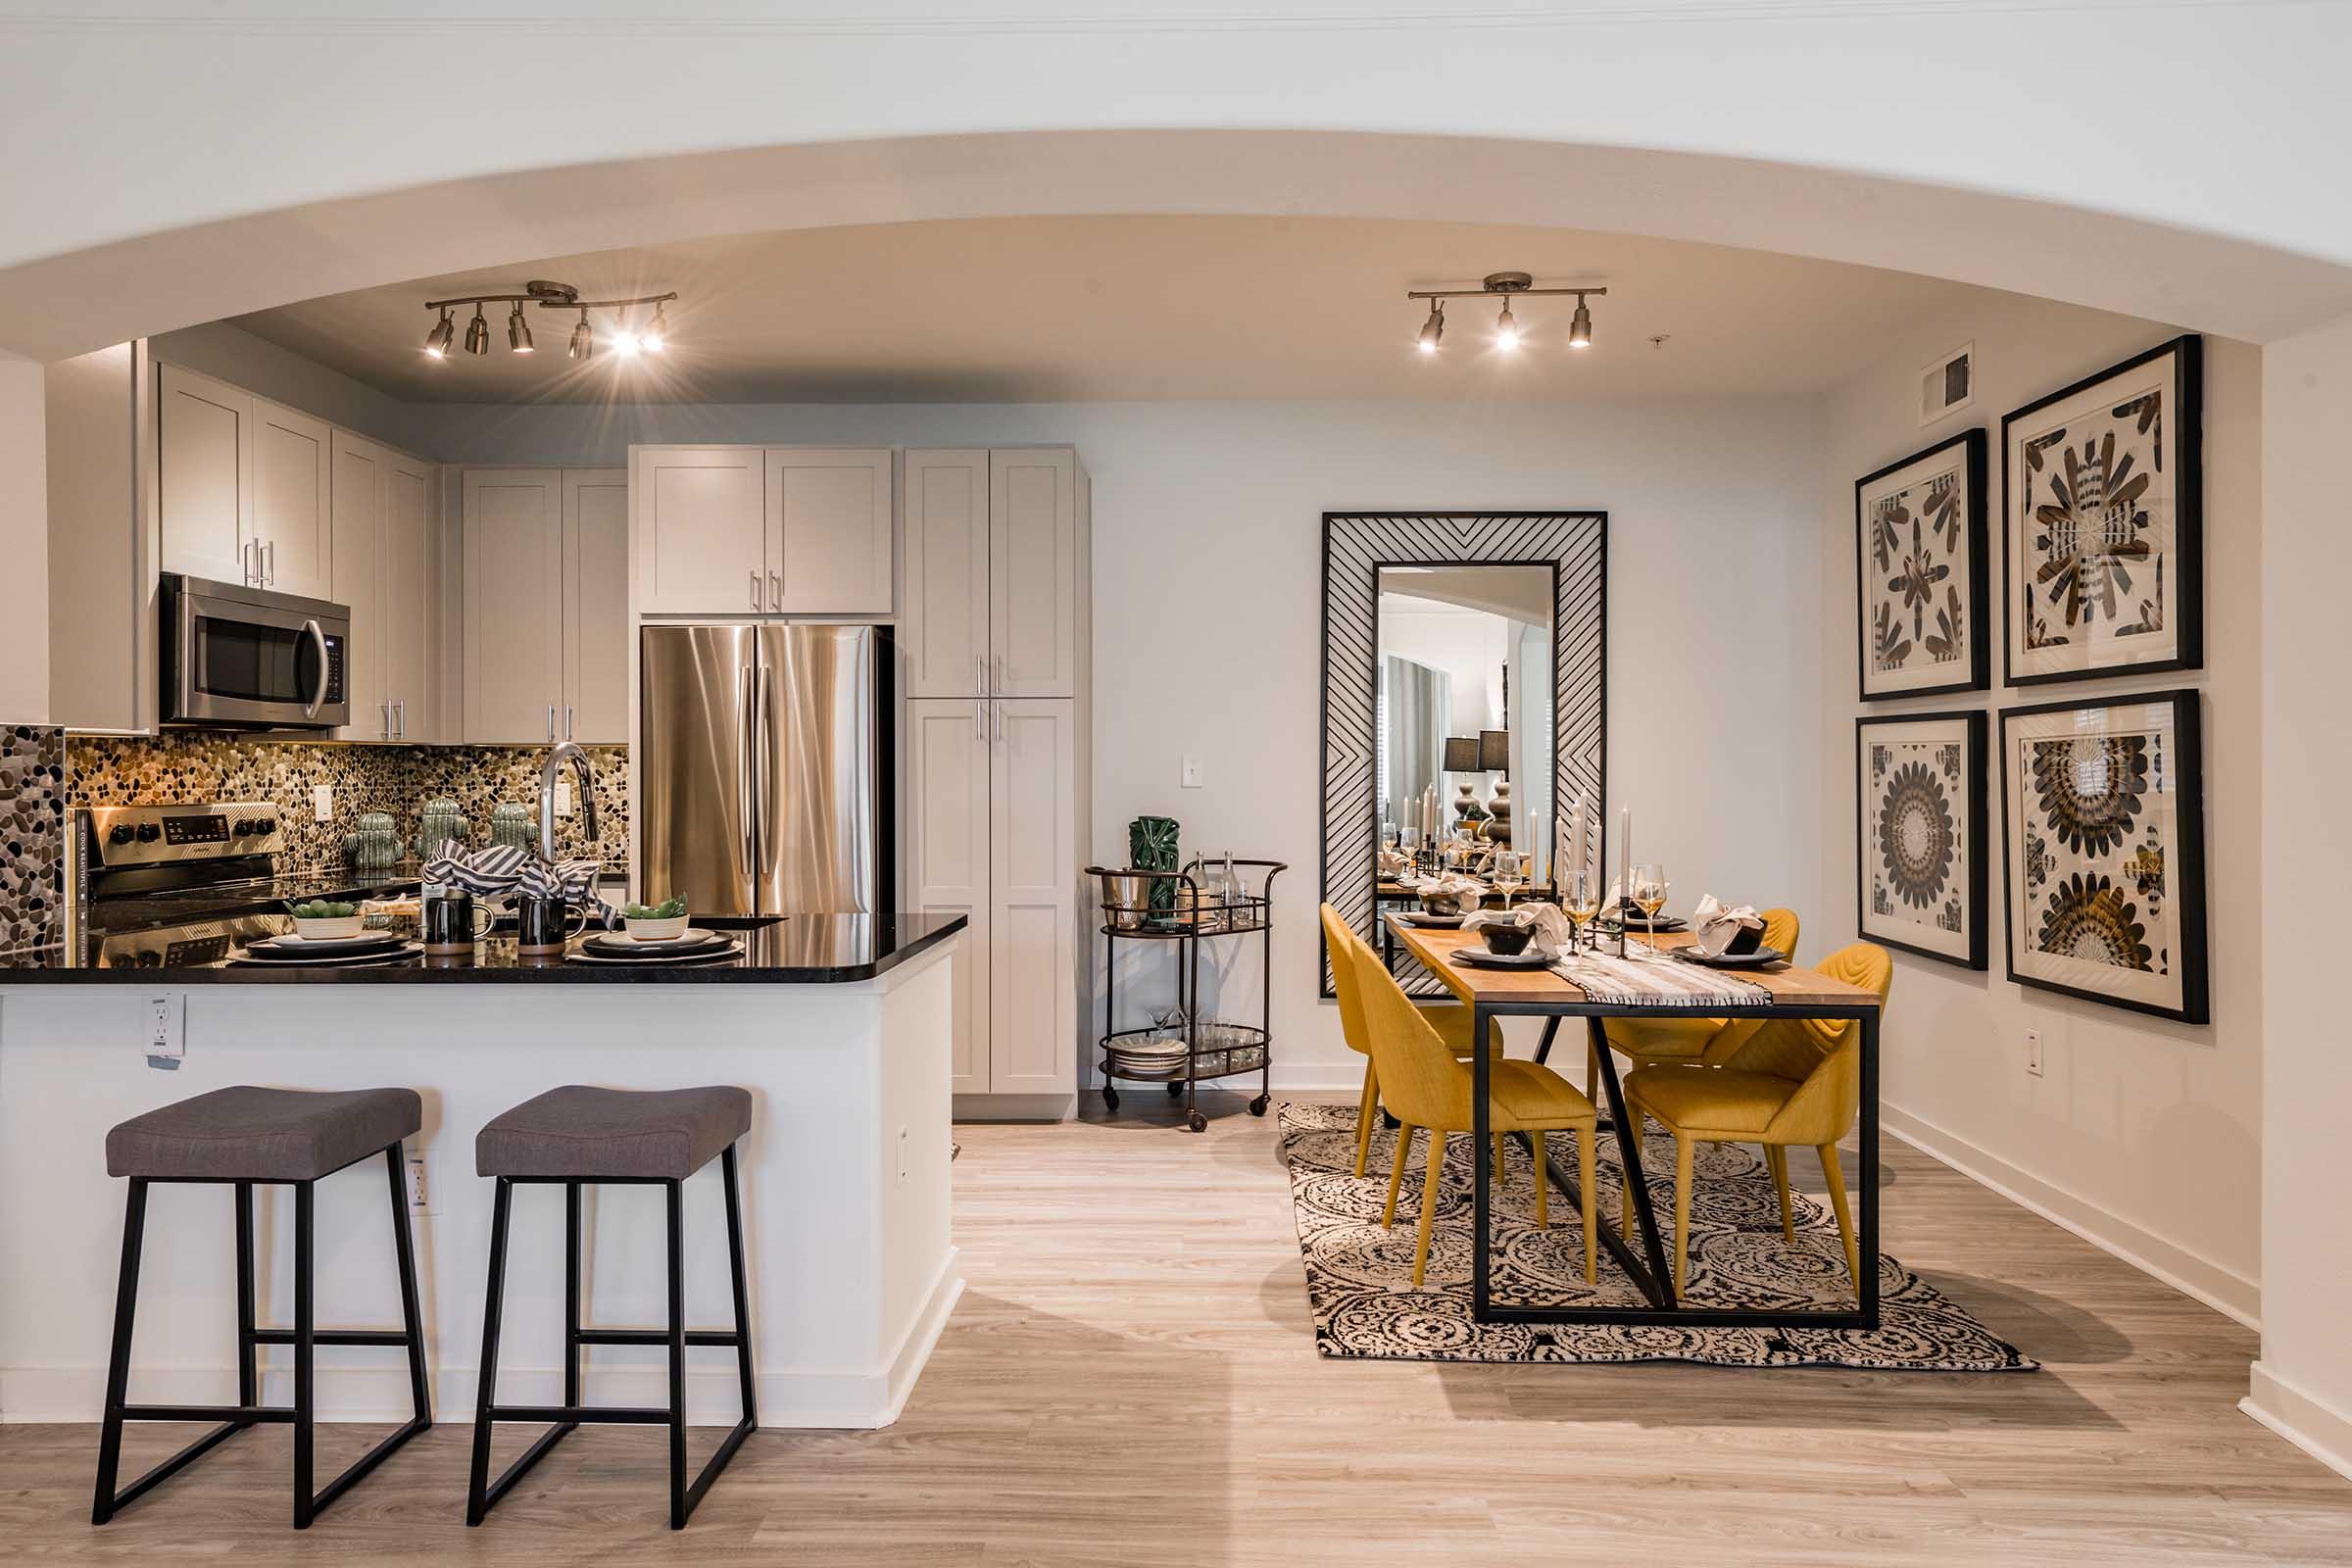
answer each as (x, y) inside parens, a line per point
(248, 658)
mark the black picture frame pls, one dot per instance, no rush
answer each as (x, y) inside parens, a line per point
(2185, 879)
(1976, 822)
(2186, 426)
(1977, 464)
(1356, 547)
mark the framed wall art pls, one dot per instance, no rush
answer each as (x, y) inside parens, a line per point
(1919, 822)
(2103, 828)
(1920, 541)
(2103, 519)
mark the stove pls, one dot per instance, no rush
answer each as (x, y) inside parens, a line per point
(164, 886)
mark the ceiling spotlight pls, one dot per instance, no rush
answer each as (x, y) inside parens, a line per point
(1433, 331)
(624, 341)
(654, 336)
(436, 341)
(477, 332)
(548, 295)
(1580, 326)
(1506, 329)
(518, 332)
(583, 340)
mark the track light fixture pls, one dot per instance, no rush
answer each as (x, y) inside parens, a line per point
(548, 297)
(1509, 331)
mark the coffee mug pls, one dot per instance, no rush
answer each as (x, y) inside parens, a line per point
(450, 922)
(544, 925)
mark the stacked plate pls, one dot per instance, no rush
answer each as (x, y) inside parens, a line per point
(1757, 958)
(334, 952)
(694, 945)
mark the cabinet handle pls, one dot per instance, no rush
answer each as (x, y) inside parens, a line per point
(980, 673)
(979, 720)
(551, 723)
(268, 563)
(402, 707)
(1000, 707)
(384, 711)
(567, 722)
(249, 557)
(776, 590)
(754, 587)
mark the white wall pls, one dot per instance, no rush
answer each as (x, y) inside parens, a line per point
(1208, 608)
(2303, 1384)
(2144, 1133)
(23, 542)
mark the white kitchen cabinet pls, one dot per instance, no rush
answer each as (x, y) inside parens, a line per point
(381, 509)
(702, 530)
(596, 605)
(1032, 916)
(292, 506)
(204, 450)
(829, 540)
(411, 605)
(514, 604)
(1033, 586)
(948, 835)
(944, 633)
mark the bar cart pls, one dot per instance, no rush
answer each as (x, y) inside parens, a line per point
(1187, 908)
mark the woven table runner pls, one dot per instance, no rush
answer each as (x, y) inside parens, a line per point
(1657, 982)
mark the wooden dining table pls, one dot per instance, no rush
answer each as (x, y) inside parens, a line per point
(1542, 992)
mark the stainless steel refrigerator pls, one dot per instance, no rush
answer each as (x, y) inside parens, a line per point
(764, 768)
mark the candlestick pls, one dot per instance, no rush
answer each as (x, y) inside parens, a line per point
(1625, 871)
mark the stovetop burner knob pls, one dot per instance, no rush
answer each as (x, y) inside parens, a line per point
(120, 833)
(149, 832)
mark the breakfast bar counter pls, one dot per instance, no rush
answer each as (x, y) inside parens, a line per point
(840, 1027)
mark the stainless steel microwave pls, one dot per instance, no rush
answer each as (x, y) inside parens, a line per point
(239, 658)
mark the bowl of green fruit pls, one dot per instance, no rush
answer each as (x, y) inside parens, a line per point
(655, 922)
(323, 920)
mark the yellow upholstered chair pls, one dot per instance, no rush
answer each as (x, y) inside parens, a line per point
(1658, 1041)
(1794, 1081)
(1450, 1019)
(1425, 1086)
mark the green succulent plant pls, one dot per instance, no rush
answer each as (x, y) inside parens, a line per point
(324, 910)
(668, 910)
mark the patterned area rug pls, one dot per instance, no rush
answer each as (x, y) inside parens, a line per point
(1358, 1275)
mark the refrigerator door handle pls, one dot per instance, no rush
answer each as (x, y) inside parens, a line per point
(750, 782)
(758, 773)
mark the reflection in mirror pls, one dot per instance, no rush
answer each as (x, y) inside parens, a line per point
(1464, 708)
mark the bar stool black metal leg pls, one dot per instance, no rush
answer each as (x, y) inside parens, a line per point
(478, 1501)
(677, 1355)
(306, 1345)
(411, 1317)
(742, 1301)
(117, 1367)
(249, 1377)
(571, 1292)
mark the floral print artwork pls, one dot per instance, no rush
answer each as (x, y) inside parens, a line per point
(1921, 805)
(1921, 530)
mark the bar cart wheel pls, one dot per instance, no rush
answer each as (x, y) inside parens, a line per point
(1198, 1121)
(1258, 1107)
(1176, 1089)
(1110, 1097)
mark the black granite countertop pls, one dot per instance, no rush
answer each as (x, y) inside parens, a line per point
(787, 949)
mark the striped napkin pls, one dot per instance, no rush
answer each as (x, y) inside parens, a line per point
(506, 869)
(1651, 982)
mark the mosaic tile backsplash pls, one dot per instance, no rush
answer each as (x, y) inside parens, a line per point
(197, 765)
(32, 852)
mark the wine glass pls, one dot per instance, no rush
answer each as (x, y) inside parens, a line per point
(1584, 902)
(1511, 874)
(1648, 894)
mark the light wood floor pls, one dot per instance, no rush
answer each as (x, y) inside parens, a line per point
(1131, 1379)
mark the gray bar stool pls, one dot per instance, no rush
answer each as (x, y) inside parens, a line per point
(241, 1137)
(573, 1136)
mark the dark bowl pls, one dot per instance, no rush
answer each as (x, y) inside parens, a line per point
(1506, 939)
(1748, 938)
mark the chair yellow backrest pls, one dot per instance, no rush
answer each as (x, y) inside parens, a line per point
(1338, 940)
(1420, 1080)
(1780, 931)
(1821, 1056)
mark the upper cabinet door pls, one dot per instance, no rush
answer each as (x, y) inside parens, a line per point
(356, 512)
(701, 546)
(1033, 572)
(596, 604)
(514, 604)
(829, 532)
(410, 601)
(205, 455)
(945, 629)
(291, 507)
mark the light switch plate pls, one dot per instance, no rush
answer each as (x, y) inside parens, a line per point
(2033, 1059)
(562, 796)
(322, 802)
(1192, 772)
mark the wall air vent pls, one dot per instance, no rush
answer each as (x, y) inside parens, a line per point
(1949, 384)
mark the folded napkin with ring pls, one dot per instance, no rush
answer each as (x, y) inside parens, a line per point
(1544, 922)
(1717, 929)
(1450, 893)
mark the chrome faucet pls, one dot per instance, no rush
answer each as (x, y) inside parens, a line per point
(556, 756)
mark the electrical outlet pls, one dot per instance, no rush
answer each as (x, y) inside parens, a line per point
(162, 1030)
(423, 1189)
(2034, 1051)
(1192, 772)
(562, 796)
(322, 802)
(903, 1151)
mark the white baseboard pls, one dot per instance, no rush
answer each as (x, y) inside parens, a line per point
(380, 1393)
(2224, 1289)
(2310, 1423)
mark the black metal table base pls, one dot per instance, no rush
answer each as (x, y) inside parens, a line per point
(1648, 1267)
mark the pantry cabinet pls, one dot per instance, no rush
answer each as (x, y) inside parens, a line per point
(546, 604)
(380, 503)
(762, 531)
(948, 838)
(993, 593)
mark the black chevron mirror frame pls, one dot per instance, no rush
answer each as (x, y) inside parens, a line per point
(1357, 545)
